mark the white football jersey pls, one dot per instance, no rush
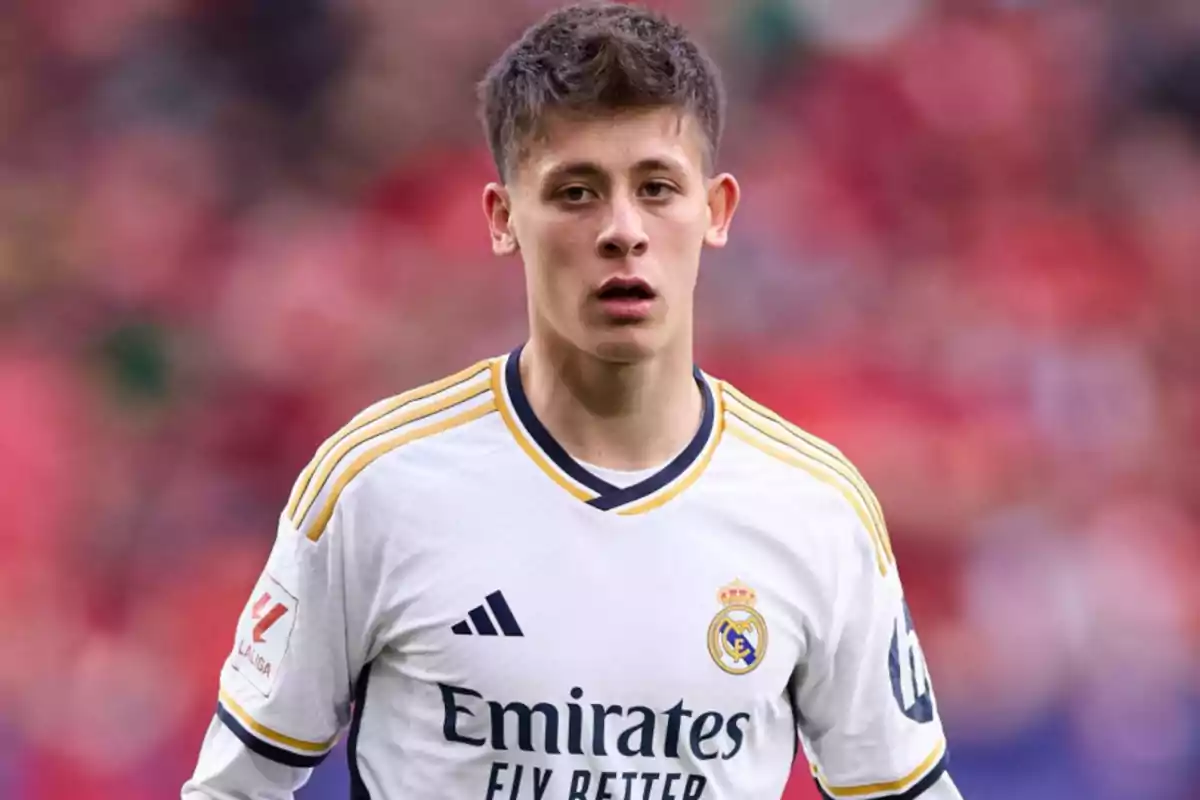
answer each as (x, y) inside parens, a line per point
(486, 618)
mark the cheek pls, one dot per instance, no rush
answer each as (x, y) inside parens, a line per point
(570, 244)
(681, 240)
(557, 256)
(563, 246)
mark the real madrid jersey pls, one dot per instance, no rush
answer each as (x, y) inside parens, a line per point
(482, 616)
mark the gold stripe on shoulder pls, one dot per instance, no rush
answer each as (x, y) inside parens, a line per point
(851, 472)
(889, 786)
(267, 733)
(410, 434)
(389, 424)
(364, 426)
(792, 456)
(830, 455)
(369, 416)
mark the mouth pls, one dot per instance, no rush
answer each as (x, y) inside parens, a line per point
(625, 289)
(626, 301)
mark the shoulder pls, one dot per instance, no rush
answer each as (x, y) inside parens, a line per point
(420, 414)
(776, 445)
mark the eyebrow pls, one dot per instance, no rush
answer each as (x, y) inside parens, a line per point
(590, 169)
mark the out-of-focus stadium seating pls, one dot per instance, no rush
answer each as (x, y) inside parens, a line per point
(969, 254)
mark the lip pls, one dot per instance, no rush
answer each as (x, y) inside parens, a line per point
(623, 308)
(627, 309)
(627, 282)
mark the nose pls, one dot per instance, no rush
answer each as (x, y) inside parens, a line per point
(624, 234)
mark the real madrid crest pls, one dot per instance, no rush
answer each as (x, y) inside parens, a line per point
(737, 637)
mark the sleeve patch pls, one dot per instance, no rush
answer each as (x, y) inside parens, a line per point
(264, 632)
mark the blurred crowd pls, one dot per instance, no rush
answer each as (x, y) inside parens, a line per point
(968, 254)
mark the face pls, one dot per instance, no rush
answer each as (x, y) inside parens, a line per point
(610, 214)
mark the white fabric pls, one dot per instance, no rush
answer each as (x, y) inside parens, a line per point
(621, 477)
(228, 771)
(615, 686)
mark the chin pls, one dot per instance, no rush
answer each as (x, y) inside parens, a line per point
(625, 347)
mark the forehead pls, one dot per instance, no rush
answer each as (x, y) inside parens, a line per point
(614, 141)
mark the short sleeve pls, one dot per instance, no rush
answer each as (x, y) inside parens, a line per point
(865, 706)
(286, 687)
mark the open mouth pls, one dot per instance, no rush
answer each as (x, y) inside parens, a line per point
(625, 289)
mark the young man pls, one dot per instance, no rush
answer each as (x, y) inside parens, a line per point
(584, 570)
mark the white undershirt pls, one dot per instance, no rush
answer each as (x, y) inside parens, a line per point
(622, 478)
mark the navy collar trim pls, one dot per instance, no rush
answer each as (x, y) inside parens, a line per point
(608, 496)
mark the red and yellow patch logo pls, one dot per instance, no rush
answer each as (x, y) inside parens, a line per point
(264, 632)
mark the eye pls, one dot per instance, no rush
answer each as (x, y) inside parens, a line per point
(574, 194)
(657, 190)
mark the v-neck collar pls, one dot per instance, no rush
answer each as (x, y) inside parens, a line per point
(555, 461)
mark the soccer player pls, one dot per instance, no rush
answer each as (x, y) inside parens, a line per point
(585, 569)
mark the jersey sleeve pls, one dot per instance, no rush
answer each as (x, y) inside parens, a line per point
(864, 701)
(287, 685)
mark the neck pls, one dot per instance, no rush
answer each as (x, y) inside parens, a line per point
(618, 416)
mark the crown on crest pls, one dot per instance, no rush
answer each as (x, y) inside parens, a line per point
(737, 594)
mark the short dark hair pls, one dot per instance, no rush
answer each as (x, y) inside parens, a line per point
(596, 58)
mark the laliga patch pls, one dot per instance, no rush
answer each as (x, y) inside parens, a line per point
(264, 632)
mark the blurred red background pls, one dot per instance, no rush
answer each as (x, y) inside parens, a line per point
(969, 254)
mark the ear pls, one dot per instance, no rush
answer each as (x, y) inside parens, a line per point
(496, 206)
(723, 196)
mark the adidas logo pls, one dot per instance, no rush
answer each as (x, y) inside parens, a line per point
(482, 622)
